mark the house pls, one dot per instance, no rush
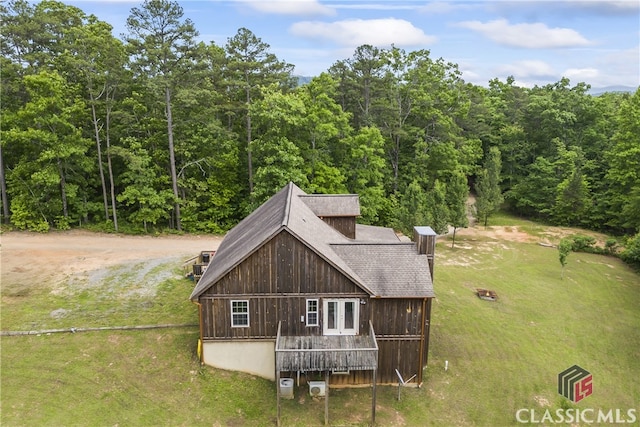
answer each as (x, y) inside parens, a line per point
(298, 288)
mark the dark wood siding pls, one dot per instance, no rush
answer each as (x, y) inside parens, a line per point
(398, 324)
(344, 224)
(393, 317)
(276, 280)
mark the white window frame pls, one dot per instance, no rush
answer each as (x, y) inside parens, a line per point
(316, 312)
(235, 313)
(340, 316)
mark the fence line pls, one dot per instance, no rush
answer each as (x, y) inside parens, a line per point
(103, 328)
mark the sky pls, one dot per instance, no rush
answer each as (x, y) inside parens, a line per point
(536, 42)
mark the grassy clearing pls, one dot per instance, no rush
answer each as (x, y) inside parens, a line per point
(130, 294)
(502, 355)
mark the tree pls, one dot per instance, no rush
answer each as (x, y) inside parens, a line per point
(364, 71)
(437, 207)
(365, 173)
(572, 200)
(457, 195)
(564, 249)
(161, 45)
(624, 164)
(412, 210)
(396, 107)
(47, 179)
(139, 181)
(278, 159)
(250, 65)
(96, 60)
(488, 193)
(631, 252)
(322, 128)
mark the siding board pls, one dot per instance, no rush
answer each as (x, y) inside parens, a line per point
(278, 278)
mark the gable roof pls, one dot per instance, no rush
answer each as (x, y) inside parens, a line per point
(399, 270)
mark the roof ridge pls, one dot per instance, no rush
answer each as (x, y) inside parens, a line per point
(287, 206)
(369, 243)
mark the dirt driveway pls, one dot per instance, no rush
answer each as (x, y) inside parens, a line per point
(28, 258)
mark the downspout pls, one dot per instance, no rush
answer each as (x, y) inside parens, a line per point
(422, 338)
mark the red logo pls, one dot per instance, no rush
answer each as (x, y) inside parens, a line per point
(575, 383)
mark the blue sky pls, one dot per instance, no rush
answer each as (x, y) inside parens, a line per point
(537, 42)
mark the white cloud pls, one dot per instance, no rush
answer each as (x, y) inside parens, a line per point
(527, 69)
(619, 67)
(531, 36)
(442, 7)
(356, 32)
(565, 8)
(291, 7)
(375, 6)
(581, 74)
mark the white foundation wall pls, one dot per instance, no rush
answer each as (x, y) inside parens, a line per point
(253, 357)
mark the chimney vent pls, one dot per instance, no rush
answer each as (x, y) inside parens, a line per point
(425, 239)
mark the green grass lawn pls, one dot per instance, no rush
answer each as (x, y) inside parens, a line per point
(502, 356)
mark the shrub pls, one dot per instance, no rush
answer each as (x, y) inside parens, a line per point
(631, 253)
(611, 246)
(584, 244)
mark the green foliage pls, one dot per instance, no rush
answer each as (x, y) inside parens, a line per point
(365, 173)
(171, 387)
(488, 192)
(140, 187)
(457, 194)
(582, 243)
(564, 249)
(611, 246)
(412, 210)
(439, 214)
(631, 252)
(372, 124)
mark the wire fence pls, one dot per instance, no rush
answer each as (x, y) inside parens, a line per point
(103, 328)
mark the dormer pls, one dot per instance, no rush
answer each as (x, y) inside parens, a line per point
(338, 210)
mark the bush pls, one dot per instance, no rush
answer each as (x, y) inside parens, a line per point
(611, 246)
(584, 244)
(631, 253)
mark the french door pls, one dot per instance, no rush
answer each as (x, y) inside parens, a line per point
(340, 316)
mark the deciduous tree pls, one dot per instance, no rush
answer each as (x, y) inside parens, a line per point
(161, 45)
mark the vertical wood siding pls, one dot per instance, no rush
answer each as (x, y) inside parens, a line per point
(345, 225)
(278, 279)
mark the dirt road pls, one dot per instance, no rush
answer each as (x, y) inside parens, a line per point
(32, 258)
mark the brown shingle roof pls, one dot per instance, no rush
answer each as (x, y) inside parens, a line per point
(332, 204)
(387, 268)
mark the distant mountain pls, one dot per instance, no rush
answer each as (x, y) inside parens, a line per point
(601, 90)
(302, 80)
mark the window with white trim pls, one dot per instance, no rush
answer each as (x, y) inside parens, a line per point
(312, 312)
(239, 313)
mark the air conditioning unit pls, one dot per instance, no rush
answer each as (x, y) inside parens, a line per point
(316, 388)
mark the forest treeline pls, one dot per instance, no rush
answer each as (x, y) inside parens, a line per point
(155, 129)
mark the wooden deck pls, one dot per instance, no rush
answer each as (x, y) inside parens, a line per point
(337, 353)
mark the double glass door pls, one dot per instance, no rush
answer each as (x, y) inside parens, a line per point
(340, 317)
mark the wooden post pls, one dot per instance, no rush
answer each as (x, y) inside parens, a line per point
(278, 396)
(373, 398)
(326, 398)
